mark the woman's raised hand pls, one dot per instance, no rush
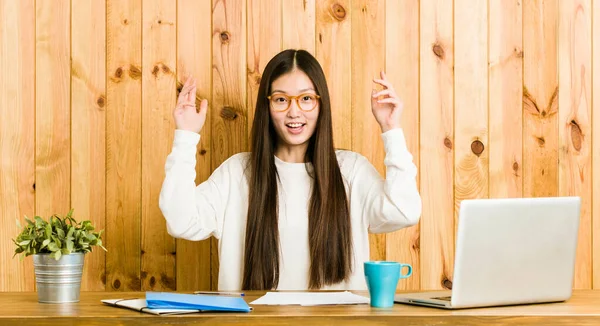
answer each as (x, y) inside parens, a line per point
(386, 105)
(185, 114)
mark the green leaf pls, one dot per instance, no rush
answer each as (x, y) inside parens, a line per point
(69, 245)
(71, 231)
(24, 243)
(56, 255)
(39, 222)
(48, 230)
(53, 247)
(61, 233)
(45, 243)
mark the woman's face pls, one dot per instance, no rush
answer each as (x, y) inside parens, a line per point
(294, 120)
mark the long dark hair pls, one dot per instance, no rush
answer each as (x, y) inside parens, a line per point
(329, 229)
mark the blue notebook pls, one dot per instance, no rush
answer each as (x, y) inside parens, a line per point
(203, 302)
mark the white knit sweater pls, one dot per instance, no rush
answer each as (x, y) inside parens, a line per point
(218, 207)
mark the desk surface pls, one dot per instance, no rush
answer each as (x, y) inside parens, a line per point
(23, 309)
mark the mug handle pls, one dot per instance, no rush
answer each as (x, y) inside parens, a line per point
(409, 273)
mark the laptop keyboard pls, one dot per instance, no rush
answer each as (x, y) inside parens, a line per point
(448, 298)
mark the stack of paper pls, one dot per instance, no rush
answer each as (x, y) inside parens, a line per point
(310, 298)
(141, 306)
(162, 303)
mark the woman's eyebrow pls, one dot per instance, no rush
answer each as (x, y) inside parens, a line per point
(302, 90)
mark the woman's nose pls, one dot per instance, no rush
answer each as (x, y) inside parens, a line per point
(294, 110)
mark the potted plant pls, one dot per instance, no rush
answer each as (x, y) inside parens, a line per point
(58, 246)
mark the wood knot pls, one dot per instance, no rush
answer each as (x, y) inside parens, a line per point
(152, 281)
(119, 72)
(225, 37)
(446, 283)
(320, 38)
(438, 50)
(228, 113)
(117, 284)
(155, 71)
(166, 69)
(125, 22)
(135, 72)
(338, 11)
(477, 147)
(417, 244)
(518, 53)
(34, 186)
(103, 278)
(101, 101)
(143, 274)
(202, 152)
(159, 21)
(168, 282)
(543, 113)
(142, 252)
(515, 166)
(576, 135)
(541, 141)
(448, 143)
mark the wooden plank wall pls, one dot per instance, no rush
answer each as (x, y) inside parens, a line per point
(498, 97)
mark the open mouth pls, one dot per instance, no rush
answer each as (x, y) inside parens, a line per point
(295, 127)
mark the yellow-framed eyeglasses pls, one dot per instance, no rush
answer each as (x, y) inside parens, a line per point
(306, 101)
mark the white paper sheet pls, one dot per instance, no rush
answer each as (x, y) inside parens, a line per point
(310, 298)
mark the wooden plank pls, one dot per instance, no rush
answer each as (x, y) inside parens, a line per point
(17, 108)
(506, 98)
(53, 134)
(264, 42)
(436, 144)
(402, 68)
(595, 142)
(574, 102)
(88, 121)
(368, 59)
(123, 144)
(298, 24)
(193, 34)
(159, 48)
(471, 177)
(229, 129)
(334, 42)
(540, 98)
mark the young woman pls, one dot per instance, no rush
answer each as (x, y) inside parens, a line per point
(294, 213)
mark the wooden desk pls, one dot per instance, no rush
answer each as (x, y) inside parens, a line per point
(23, 309)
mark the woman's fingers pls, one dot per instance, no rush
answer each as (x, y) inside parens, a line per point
(389, 100)
(387, 92)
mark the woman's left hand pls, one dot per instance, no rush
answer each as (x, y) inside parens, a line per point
(386, 106)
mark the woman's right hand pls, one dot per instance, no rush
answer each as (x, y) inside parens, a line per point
(185, 114)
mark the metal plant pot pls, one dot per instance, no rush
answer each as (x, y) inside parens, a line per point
(58, 281)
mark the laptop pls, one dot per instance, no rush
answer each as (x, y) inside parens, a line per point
(508, 252)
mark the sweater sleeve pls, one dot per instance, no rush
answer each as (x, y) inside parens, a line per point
(392, 203)
(191, 212)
